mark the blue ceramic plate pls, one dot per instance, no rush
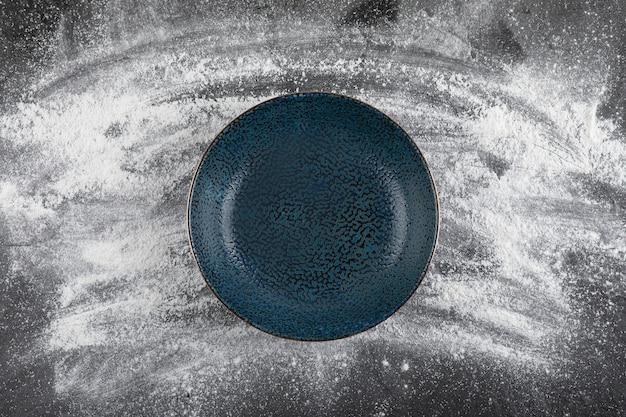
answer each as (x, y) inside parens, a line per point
(313, 216)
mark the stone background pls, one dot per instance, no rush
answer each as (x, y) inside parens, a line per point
(107, 106)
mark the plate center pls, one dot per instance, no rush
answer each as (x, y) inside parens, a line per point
(307, 218)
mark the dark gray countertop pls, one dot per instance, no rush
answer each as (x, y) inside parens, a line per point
(103, 311)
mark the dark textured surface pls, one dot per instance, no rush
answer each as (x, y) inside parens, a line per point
(373, 12)
(107, 105)
(313, 216)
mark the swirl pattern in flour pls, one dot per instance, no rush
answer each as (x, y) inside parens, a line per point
(519, 313)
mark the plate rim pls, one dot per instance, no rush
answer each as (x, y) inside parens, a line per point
(422, 274)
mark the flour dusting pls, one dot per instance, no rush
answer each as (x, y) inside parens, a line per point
(109, 147)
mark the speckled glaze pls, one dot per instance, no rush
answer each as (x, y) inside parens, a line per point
(313, 216)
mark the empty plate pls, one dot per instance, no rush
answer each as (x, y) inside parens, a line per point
(313, 216)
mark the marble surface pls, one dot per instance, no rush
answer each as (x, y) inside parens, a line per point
(107, 107)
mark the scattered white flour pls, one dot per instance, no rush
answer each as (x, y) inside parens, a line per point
(112, 148)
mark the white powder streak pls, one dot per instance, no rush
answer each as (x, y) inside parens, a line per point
(130, 289)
